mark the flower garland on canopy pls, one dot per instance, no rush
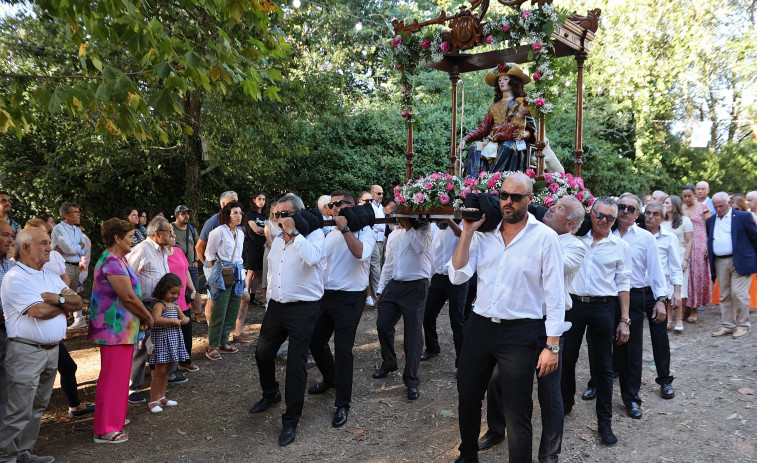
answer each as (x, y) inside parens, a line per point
(531, 27)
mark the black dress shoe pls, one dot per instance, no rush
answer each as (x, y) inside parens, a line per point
(667, 392)
(90, 408)
(340, 416)
(287, 436)
(460, 459)
(426, 355)
(320, 388)
(633, 410)
(412, 393)
(590, 393)
(265, 403)
(490, 439)
(382, 372)
(605, 432)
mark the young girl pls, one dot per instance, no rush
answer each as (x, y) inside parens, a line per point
(166, 338)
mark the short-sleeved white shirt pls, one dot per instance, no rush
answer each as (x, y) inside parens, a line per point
(22, 288)
(56, 264)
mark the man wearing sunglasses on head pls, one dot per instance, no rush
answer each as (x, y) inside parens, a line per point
(348, 260)
(377, 196)
(649, 296)
(600, 286)
(518, 263)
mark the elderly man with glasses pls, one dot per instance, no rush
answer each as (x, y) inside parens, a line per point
(599, 289)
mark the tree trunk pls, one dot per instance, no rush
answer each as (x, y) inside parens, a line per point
(193, 154)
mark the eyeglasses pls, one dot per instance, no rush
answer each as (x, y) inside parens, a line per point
(338, 203)
(281, 214)
(380, 193)
(652, 213)
(366, 201)
(516, 197)
(600, 216)
(169, 231)
(623, 207)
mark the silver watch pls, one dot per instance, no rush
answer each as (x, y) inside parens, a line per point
(61, 299)
(554, 349)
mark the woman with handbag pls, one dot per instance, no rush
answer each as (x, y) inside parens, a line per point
(179, 265)
(226, 282)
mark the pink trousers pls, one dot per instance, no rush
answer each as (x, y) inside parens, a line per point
(112, 392)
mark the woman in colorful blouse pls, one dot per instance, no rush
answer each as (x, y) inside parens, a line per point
(114, 318)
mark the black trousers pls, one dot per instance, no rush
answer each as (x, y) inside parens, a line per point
(550, 402)
(471, 297)
(406, 300)
(67, 369)
(295, 321)
(340, 313)
(512, 346)
(441, 291)
(598, 319)
(628, 356)
(186, 333)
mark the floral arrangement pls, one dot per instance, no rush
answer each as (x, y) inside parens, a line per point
(531, 27)
(556, 185)
(435, 190)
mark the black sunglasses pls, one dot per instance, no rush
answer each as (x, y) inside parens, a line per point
(366, 201)
(600, 216)
(281, 214)
(380, 193)
(338, 203)
(516, 197)
(623, 207)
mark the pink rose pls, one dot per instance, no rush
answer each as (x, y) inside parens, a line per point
(553, 187)
(572, 183)
(540, 102)
(435, 176)
(450, 187)
(580, 183)
(477, 191)
(530, 173)
(464, 191)
(447, 177)
(400, 199)
(428, 186)
(580, 196)
(549, 200)
(426, 44)
(419, 197)
(469, 181)
(591, 200)
(481, 174)
(396, 41)
(547, 177)
(526, 14)
(489, 40)
(444, 198)
(491, 183)
(568, 176)
(536, 46)
(405, 113)
(537, 76)
(445, 46)
(506, 28)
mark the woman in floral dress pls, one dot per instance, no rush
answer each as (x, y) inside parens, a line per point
(699, 266)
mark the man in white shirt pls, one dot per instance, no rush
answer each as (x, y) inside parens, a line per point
(443, 244)
(68, 240)
(601, 284)
(377, 196)
(295, 285)
(6, 263)
(564, 217)
(667, 249)
(521, 266)
(35, 305)
(348, 259)
(402, 294)
(648, 296)
(702, 190)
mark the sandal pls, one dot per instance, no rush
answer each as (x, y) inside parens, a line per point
(212, 354)
(189, 367)
(156, 408)
(670, 325)
(167, 403)
(228, 349)
(113, 437)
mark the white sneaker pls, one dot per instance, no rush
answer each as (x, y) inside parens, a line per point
(369, 301)
(80, 323)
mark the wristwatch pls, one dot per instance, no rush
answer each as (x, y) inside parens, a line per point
(554, 349)
(346, 229)
(61, 299)
(627, 321)
(662, 299)
(293, 234)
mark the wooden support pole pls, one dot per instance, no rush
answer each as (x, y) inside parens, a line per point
(540, 144)
(579, 151)
(454, 77)
(409, 153)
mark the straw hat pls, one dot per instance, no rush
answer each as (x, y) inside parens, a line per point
(509, 69)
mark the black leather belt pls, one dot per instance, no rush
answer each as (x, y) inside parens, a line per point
(645, 289)
(75, 264)
(34, 344)
(723, 257)
(592, 299)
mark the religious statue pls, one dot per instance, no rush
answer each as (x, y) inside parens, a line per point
(507, 133)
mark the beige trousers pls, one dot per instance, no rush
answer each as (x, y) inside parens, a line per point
(734, 294)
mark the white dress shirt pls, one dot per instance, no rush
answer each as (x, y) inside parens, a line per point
(343, 272)
(380, 228)
(646, 269)
(22, 288)
(68, 238)
(407, 256)
(221, 245)
(722, 243)
(513, 278)
(295, 270)
(604, 271)
(573, 253)
(443, 244)
(150, 262)
(668, 250)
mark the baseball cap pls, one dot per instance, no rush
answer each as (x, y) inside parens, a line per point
(181, 208)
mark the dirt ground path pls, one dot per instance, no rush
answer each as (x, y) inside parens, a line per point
(708, 421)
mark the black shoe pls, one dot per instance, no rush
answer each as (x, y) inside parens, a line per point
(633, 410)
(590, 393)
(88, 409)
(489, 440)
(287, 436)
(340, 416)
(667, 392)
(264, 404)
(426, 355)
(412, 393)
(382, 372)
(137, 398)
(605, 432)
(320, 388)
(566, 410)
(460, 459)
(177, 379)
